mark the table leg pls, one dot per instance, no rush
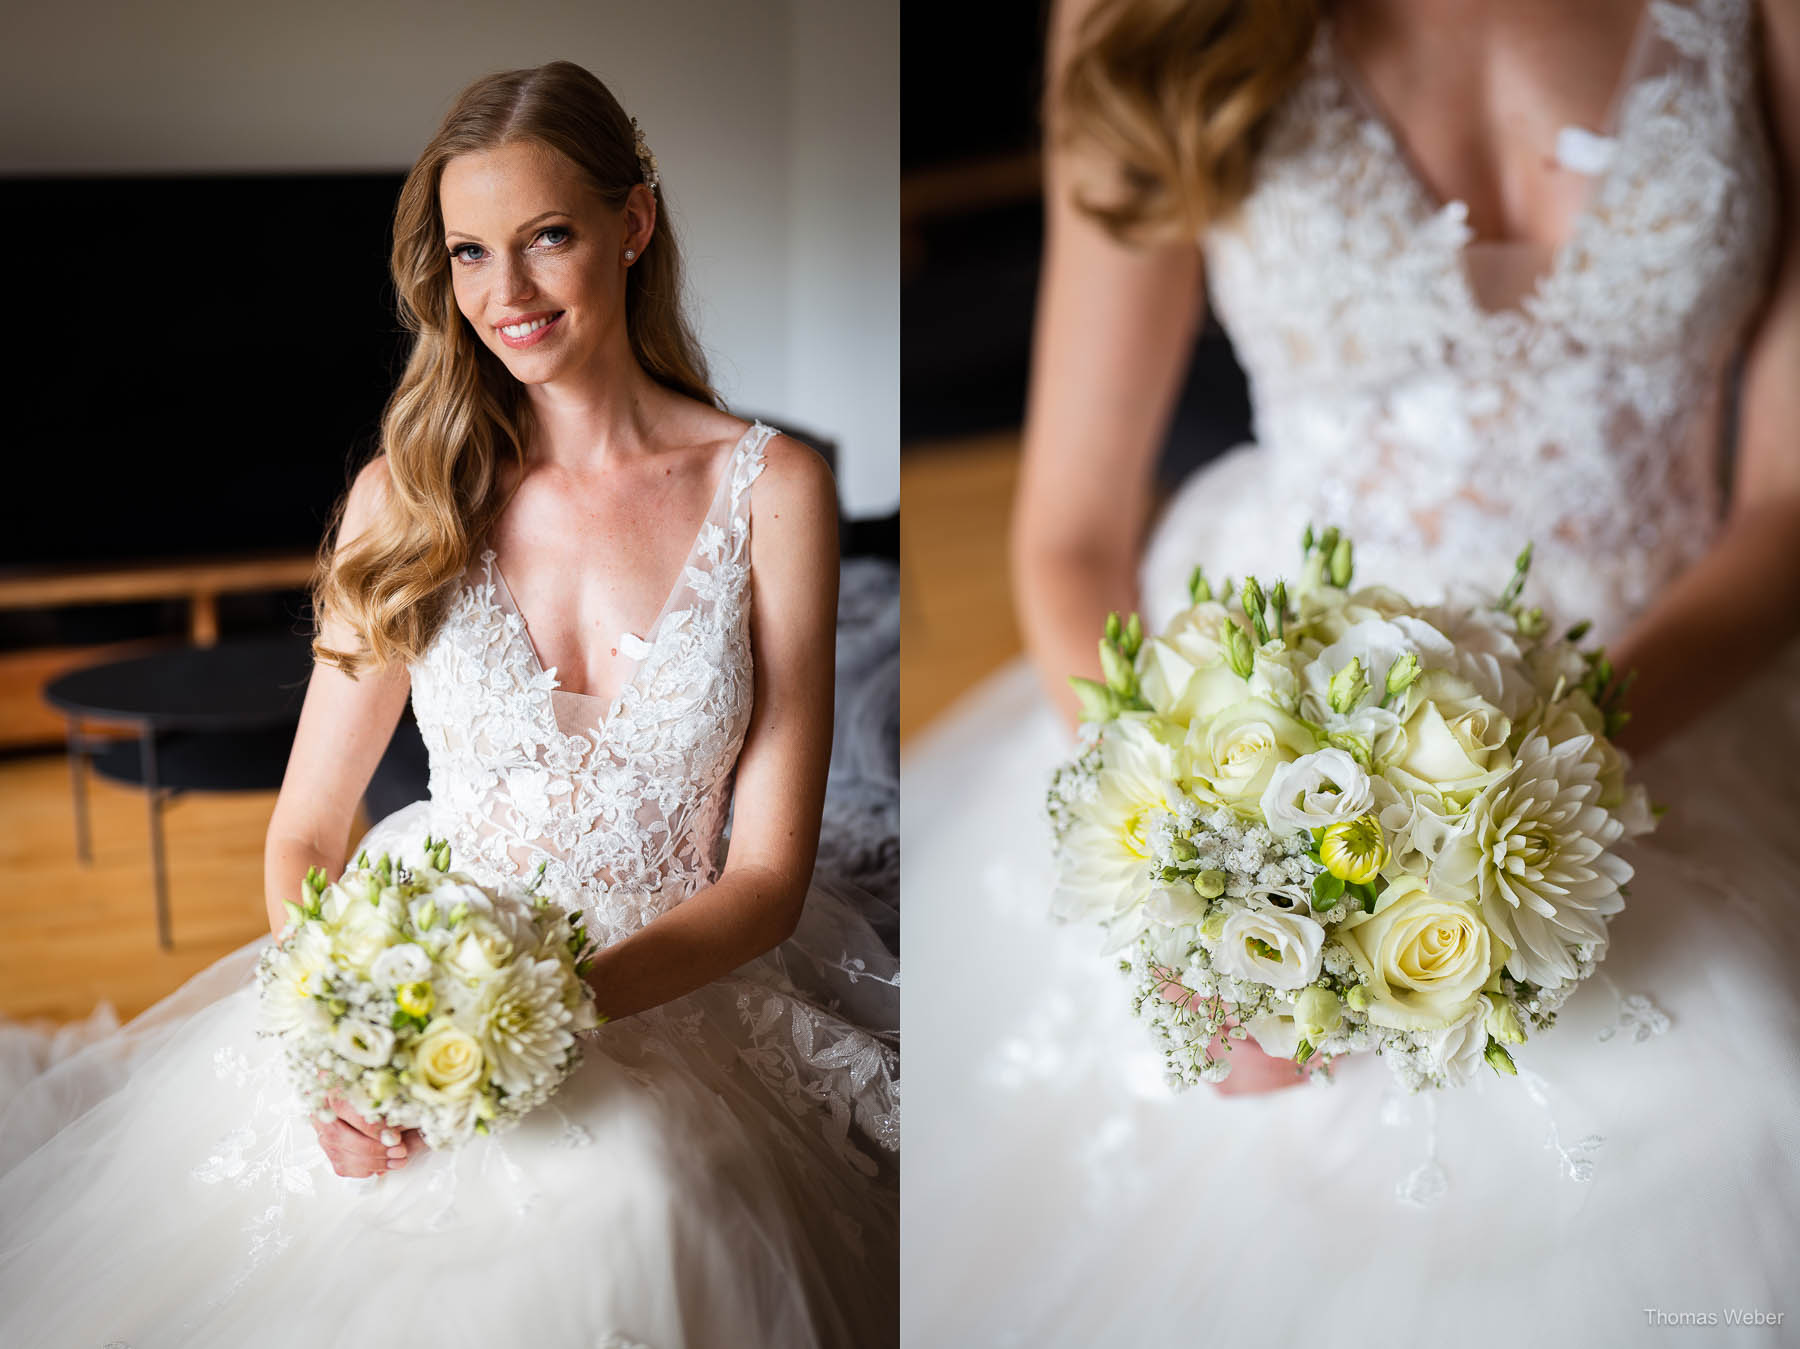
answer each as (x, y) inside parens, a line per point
(156, 839)
(84, 848)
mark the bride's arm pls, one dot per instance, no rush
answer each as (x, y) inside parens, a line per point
(1114, 329)
(780, 789)
(1740, 604)
(345, 724)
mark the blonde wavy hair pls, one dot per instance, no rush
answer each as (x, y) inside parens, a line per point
(457, 409)
(1175, 96)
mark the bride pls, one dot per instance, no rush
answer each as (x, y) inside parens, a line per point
(612, 605)
(1481, 303)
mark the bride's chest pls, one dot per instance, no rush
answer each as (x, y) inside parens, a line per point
(1344, 265)
(497, 724)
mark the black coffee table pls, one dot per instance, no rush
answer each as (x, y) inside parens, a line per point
(214, 718)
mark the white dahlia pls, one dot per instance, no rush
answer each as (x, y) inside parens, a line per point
(1105, 862)
(1533, 851)
(523, 1025)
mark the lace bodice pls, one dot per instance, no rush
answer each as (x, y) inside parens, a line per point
(1583, 412)
(627, 810)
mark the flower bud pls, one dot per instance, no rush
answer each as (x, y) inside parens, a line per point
(1098, 703)
(1209, 884)
(1342, 563)
(1348, 686)
(1498, 1059)
(428, 913)
(1198, 590)
(1402, 673)
(1212, 927)
(1503, 1022)
(415, 999)
(1357, 998)
(1120, 677)
(1354, 851)
(1134, 635)
(1317, 1012)
(1238, 652)
(1112, 627)
(1254, 603)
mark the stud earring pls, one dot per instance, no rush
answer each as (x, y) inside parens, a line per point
(630, 253)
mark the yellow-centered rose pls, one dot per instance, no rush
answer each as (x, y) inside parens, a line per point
(446, 1062)
(1426, 958)
(1454, 740)
(1233, 756)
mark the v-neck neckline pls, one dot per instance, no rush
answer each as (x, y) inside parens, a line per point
(1372, 112)
(648, 642)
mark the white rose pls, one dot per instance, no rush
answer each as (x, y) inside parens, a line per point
(366, 930)
(1268, 946)
(1453, 740)
(1233, 757)
(446, 1063)
(402, 964)
(363, 1042)
(482, 949)
(1316, 791)
(1425, 958)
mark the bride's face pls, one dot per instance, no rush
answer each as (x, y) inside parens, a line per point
(530, 240)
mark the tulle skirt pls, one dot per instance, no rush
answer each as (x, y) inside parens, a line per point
(721, 1170)
(1642, 1166)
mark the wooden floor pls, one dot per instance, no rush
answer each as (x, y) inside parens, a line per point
(955, 597)
(74, 935)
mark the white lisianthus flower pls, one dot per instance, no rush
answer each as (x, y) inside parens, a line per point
(1533, 851)
(1175, 905)
(1481, 646)
(1315, 791)
(522, 1024)
(1269, 946)
(402, 964)
(1417, 824)
(1276, 1033)
(1425, 956)
(1375, 644)
(1456, 1050)
(1105, 858)
(1327, 613)
(1232, 758)
(363, 1042)
(1453, 740)
(447, 1063)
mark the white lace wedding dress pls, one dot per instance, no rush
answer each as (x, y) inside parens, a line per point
(1446, 402)
(721, 1170)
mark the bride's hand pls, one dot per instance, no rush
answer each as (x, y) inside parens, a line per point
(358, 1147)
(1252, 1071)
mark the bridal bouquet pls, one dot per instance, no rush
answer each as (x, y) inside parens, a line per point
(426, 999)
(1336, 820)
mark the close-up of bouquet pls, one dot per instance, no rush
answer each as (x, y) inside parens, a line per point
(425, 999)
(1334, 820)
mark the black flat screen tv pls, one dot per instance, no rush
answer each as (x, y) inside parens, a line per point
(200, 365)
